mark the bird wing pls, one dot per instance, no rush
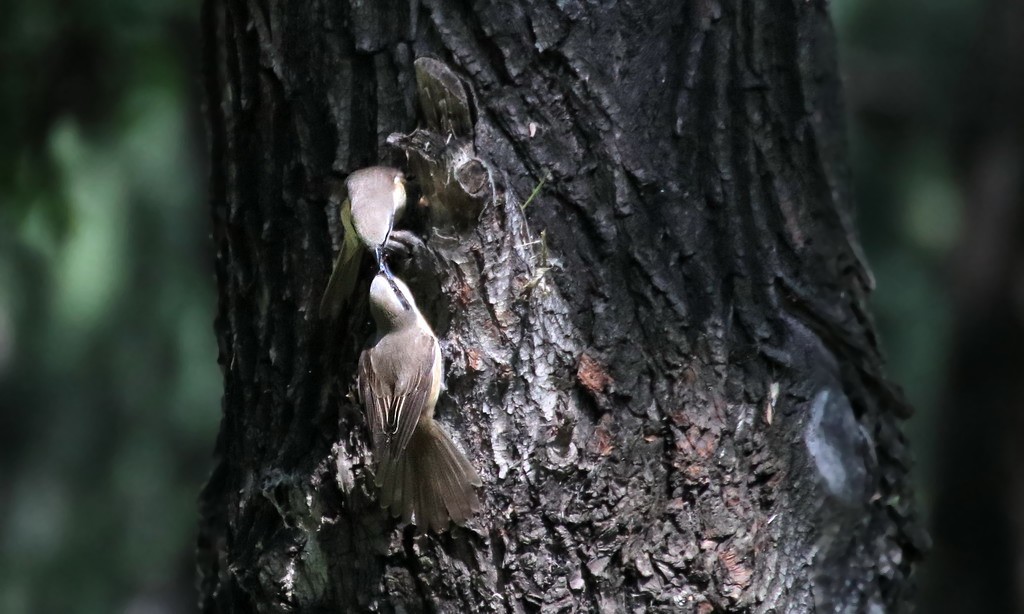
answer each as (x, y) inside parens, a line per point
(346, 269)
(396, 381)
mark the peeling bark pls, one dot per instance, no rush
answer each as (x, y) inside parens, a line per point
(661, 363)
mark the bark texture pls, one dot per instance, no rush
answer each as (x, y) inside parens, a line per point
(661, 363)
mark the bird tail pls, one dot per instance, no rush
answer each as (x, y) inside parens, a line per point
(430, 482)
(343, 279)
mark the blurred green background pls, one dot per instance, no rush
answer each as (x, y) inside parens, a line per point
(903, 65)
(109, 387)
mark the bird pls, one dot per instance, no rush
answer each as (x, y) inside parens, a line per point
(422, 476)
(376, 200)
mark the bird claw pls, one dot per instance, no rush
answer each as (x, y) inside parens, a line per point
(403, 245)
(410, 257)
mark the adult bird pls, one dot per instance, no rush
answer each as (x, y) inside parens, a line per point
(376, 200)
(421, 474)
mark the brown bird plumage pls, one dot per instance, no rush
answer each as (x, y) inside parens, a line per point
(376, 200)
(421, 474)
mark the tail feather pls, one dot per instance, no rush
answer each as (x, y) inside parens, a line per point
(461, 465)
(455, 484)
(400, 499)
(434, 516)
(387, 469)
(395, 497)
(384, 469)
(409, 487)
(431, 481)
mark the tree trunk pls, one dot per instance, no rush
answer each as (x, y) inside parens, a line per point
(640, 262)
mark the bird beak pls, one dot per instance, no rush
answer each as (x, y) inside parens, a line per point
(382, 266)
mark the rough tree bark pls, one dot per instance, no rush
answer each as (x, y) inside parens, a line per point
(662, 366)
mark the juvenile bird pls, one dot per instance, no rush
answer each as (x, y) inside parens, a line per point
(376, 200)
(420, 472)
